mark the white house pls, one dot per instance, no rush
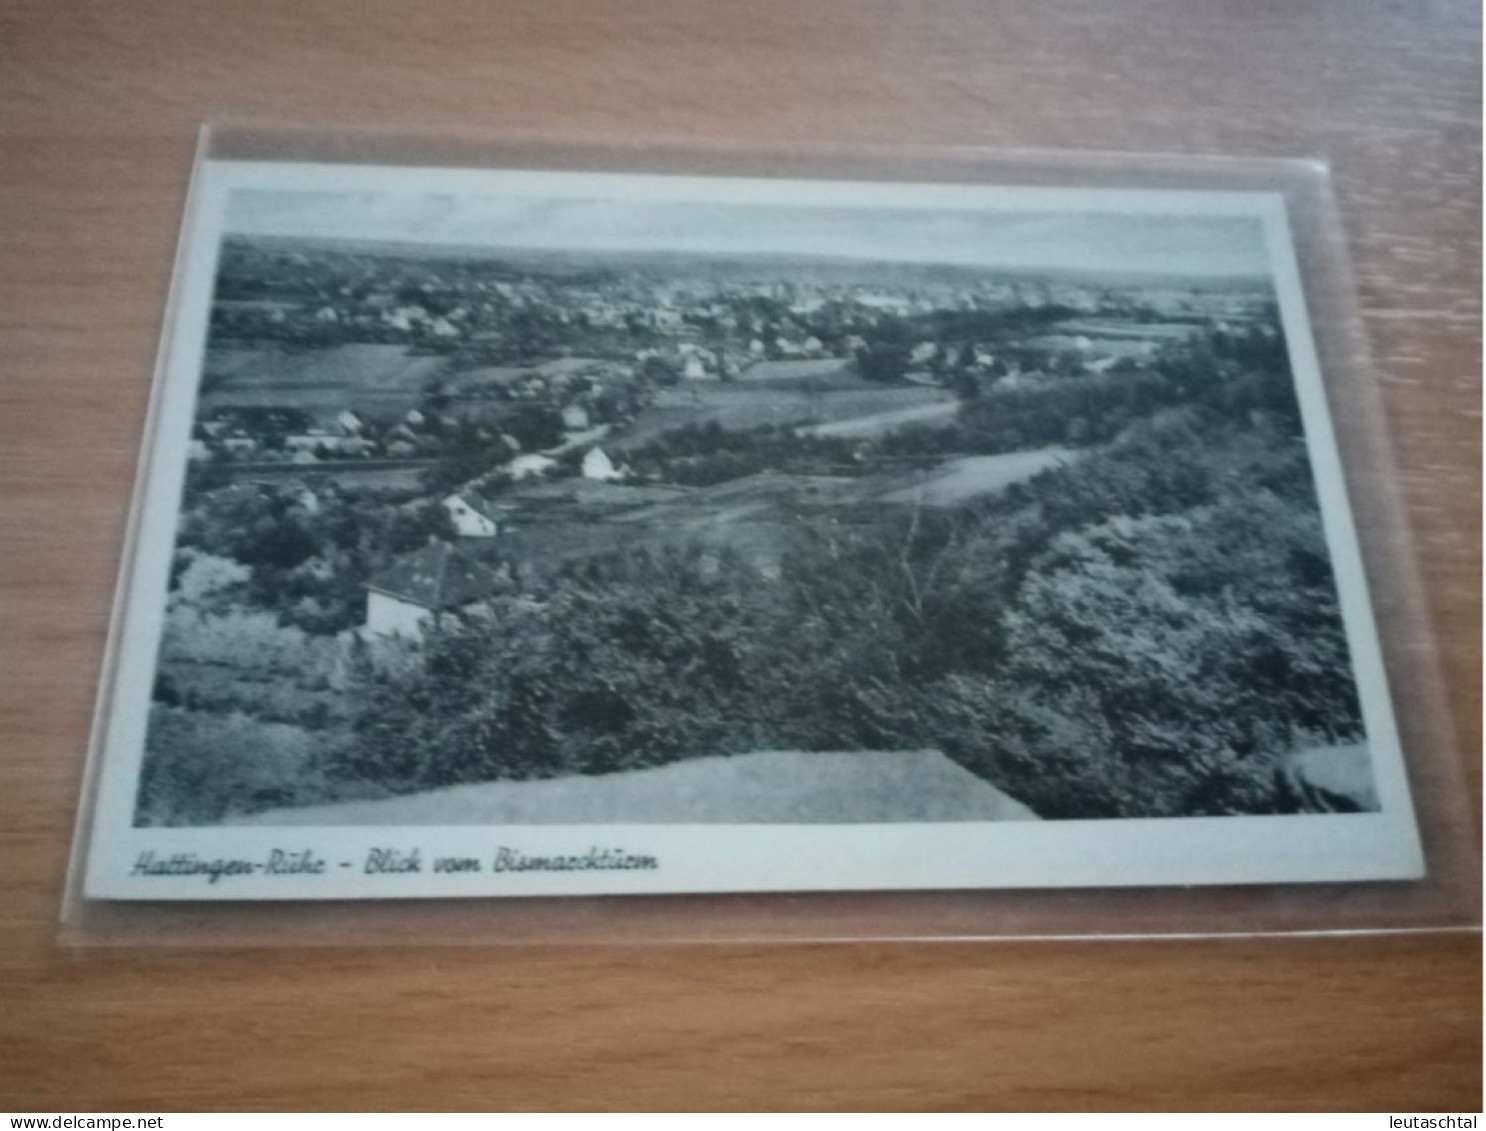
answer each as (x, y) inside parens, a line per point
(471, 518)
(308, 442)
(598, 465)
(574, 417)
(531, 465)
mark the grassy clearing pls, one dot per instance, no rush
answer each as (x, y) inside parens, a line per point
(363, 377)
(880, 423)
(827, 372)
(737, 407)
(963, 479)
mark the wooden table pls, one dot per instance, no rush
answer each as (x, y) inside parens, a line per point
(98, 106)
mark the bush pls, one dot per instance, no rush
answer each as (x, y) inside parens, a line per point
(201, 768)
(1162, 667)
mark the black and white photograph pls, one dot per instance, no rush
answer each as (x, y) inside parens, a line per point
(540, 533)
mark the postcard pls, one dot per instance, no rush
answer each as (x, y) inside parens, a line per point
(512, 533)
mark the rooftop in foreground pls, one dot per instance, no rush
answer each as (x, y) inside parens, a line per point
(766, 787)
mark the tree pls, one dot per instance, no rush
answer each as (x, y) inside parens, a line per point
(883, 362)
(1189, 653)
(535, 427)
(661, 370)
(469, 453)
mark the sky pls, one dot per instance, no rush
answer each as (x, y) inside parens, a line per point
(1085, 241)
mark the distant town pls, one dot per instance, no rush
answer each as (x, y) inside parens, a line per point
(485, 385)
(354, 355)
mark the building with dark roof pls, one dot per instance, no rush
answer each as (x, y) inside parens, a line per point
(439, 578)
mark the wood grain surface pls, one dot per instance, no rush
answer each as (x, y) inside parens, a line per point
(98, 108)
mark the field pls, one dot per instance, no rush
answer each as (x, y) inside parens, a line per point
(880, 423)
(600, 496)
(963, 479)
(770, 787)
(543, 545)
(489, 378)
(378, 379)
(544, 542)
(389, 475)
(812, 373)
(739, 498)
(740, 406)
(1144, 331)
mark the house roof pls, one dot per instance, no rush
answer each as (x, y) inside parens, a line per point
(476, 504)
(439, 576)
